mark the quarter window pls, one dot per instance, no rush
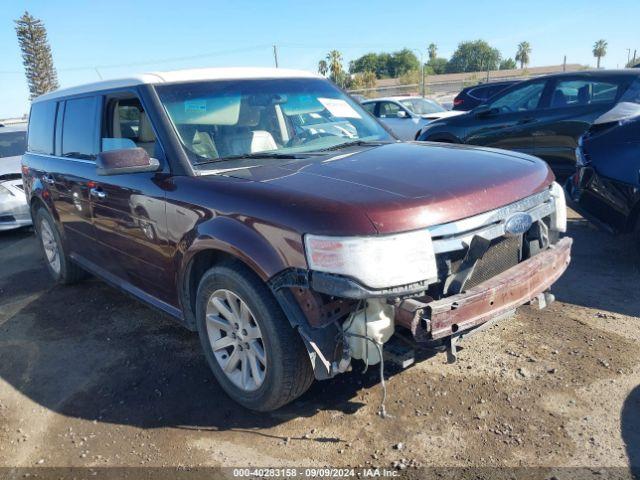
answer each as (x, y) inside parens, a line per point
(79, 139)
(41, 122)
(572, 93)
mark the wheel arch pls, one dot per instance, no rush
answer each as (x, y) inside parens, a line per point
(226, 241)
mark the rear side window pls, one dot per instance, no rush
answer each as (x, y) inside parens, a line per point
(572, 93)
(41, 124)
(370, 107)
(79, 133)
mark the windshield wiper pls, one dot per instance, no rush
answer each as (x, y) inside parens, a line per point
(248, 156)
(355, 143)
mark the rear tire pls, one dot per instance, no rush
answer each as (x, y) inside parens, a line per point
(60, 266)
(255, 354)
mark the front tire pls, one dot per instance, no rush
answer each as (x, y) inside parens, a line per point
(60, 266)
(257, 357)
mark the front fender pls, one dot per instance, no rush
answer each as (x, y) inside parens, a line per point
(266, 249)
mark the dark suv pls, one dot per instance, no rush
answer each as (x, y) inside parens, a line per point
(271, 213)
(544, 116)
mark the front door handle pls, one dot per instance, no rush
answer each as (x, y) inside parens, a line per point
(48, 179)
(98, 193)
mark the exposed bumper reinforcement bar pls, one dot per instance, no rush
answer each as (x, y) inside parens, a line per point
(436, 319)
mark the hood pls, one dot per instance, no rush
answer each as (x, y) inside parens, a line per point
(622, 111)
(406, 186)
(439, 115)
(9, 165)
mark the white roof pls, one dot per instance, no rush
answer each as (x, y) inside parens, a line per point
(155, 78)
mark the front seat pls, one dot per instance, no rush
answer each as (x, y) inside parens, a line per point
(558, 99)
(243, 139)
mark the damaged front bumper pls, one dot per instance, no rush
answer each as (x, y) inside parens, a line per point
(436, 319)
(431, 322)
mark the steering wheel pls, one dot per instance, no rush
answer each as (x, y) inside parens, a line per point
(306, 136)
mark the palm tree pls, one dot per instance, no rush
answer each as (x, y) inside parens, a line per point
(600, 50)
(522, 55)
(433, 51)
(334, 59)
(323, 68)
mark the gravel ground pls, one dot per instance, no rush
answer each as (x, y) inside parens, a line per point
(91, 377)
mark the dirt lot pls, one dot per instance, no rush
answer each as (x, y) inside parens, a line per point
(90, 377)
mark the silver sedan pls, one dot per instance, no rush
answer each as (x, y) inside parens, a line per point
(14, 211)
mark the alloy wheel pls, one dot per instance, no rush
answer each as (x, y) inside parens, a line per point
(50, 246)
(236, 340)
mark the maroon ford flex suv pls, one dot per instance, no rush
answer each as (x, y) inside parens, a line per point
(271, 213)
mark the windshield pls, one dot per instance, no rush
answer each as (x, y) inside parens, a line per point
(422, 106)
(220, 120)
(12, 144)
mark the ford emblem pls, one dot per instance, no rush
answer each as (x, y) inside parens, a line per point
(517, 224)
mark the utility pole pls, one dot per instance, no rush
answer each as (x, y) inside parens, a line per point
(628, 55)
(422, 87)
(275, 55)
(564, 64)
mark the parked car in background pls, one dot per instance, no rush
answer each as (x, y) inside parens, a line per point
(14, 211)
(606, 185)
(405, 116)
(544, 116)
(471, 97)
(291, 251)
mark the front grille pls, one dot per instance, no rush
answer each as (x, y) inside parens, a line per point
(503, 253)
(7, 218)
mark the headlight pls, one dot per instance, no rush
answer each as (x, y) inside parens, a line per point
(377, 262)
(559, 216)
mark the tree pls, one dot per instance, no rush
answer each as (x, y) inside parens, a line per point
(508, 64)
(366, 63)
(36, 55)
(360, 81)
(600, 50)
(386, 64)
(437, 66)
(474, 56)
(402, 62)
(323, 68)
(433, 51)
(523, 53)
(334, 68)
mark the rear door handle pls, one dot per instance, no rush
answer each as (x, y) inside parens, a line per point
(48, 179)
(97, 192)
(524, 121)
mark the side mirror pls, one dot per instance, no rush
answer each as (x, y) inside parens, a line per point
(482, 110)
(402, 114)
(128, 160)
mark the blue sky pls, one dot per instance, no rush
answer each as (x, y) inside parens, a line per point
(122, 37)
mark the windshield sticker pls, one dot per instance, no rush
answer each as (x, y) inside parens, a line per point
(195, 105)
(339, 108)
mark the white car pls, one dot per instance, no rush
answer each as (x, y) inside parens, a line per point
(14, 211)
(405, 116)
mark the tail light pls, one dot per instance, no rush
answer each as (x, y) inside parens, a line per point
(457, 101)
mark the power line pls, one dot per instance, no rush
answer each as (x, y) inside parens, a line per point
(152, 62)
